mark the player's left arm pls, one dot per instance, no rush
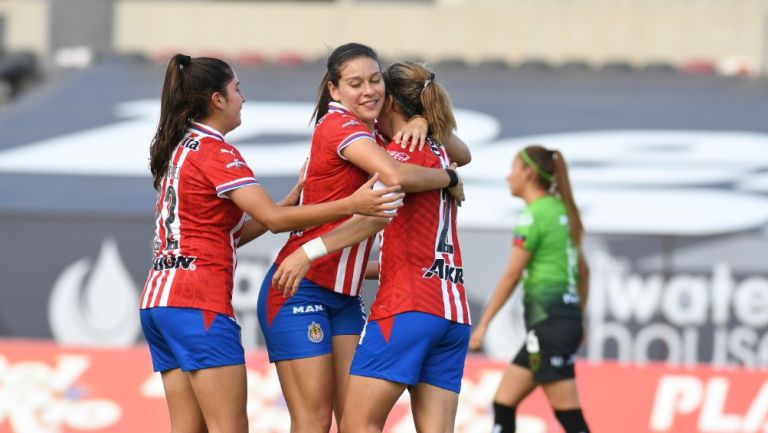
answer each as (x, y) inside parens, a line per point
(583, 282)
(458, 150)
(518, 260)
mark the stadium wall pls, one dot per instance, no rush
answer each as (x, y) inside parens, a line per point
(595, 31)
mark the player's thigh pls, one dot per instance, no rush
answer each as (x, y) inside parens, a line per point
(562, 394)
(368, 403)
(516, 383)
(343, 351)
(299, 326)
(307, 385)
(183, 409)
(221, 393)
(434, 408)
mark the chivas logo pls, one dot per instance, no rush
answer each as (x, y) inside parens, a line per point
(315, 332)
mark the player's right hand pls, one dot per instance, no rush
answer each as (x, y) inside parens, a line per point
(287, 277)
(376, 202)
(476, 338)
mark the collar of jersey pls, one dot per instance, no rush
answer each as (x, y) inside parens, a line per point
(335, 107)
(205, 129)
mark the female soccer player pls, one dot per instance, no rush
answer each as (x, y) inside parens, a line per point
(547, 255)
(312, 335)
(204, 185)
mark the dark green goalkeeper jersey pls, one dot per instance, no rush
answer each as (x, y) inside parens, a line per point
(551, 277)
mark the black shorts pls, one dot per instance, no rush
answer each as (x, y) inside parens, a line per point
(549, 350)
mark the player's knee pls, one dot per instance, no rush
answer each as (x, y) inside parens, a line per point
(311, 423)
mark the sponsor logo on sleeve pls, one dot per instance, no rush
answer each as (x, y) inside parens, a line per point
(400, 156)
(350, 122)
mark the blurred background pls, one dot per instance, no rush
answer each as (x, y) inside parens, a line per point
(660, 107)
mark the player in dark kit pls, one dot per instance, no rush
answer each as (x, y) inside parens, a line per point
(547, 256)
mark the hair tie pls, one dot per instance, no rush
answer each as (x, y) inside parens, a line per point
(430, 79)
(184, 61)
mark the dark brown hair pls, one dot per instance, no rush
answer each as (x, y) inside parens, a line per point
(415, 92)
(553, 163)
(336, 61)
(187, 89)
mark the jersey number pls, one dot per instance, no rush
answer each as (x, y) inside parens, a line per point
(170, 200)
(442, 245)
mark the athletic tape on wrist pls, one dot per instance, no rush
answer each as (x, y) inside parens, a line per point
(315, 248)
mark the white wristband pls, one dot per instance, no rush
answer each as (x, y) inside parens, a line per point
(315, 248)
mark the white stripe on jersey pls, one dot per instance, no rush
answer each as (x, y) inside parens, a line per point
(233, 242)
(341, 271)
(357, 272)
(148, 288)
(156, 288)
(167, 288)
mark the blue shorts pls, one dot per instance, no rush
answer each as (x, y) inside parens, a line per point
(421, 348)
(178, 338)
(303, 325)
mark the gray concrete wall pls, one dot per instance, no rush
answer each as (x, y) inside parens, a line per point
(597, 31)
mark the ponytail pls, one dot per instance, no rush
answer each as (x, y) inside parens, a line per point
(552, 170)
(187, 88)
(415, 92)
(174, 119)
(563, 186)
(437, 109)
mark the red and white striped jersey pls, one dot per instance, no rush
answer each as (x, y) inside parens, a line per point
(330, 176)
(420, 263)
(197, 226)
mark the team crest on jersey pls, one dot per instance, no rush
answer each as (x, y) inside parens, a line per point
(165, 263)
(315, 332)
(445, 271)
(350, 122)
(400, 156)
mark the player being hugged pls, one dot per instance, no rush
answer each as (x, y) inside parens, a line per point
(312, 325)
(547, 255)
(204, 186)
